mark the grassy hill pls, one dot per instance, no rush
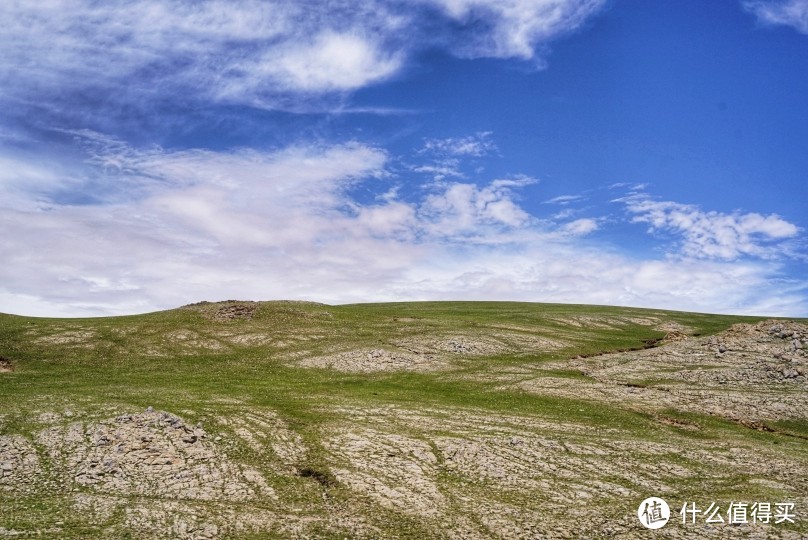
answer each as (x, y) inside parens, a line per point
(398, 420)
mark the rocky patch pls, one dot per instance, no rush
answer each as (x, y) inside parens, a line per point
(520, 477)
(19, 464)
(490, 343)
(395, 471)
(749, 372)
(235, 311)
(370, 360)
(151, 454)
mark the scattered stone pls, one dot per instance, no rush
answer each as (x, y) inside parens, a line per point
(790, 373)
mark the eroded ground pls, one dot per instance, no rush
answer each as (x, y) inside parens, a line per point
(747, 374)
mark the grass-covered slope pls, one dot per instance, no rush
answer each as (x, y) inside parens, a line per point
(410, 420)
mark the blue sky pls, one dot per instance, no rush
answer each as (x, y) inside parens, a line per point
(155, 153)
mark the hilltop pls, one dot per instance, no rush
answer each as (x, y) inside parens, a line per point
(400, 420)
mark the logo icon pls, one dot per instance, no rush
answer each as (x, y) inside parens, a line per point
(653, 513)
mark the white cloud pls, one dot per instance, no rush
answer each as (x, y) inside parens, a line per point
(392, 220)
(241, 223)
(238, 50)
(515, 27)
(282, 224)
(569, 272)
(246, 51)
(462, 209)
(331, 62)
(792, 13)
(581, 227)
(442, 169)
(713, 234)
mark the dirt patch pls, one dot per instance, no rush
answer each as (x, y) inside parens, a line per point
(324, 478)
(265, 433)
(249, 340)
(155, 475)
(674, 327)
(5, 365)
(76, 338)
(675, 335)
(190, 339)
(604, 323)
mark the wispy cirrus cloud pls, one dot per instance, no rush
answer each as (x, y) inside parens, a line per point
(446, 155)
(564, 199)
(513, 28)
(476, 145)
(240, 50)
(271, 54)
(792, 13)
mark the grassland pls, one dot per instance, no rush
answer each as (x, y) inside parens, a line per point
(408, 420)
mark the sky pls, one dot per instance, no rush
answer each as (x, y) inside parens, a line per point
(155, 153)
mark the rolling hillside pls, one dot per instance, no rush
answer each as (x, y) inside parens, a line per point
(409, 420)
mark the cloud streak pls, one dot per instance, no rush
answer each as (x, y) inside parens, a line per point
(514, 28)
(792, 13)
